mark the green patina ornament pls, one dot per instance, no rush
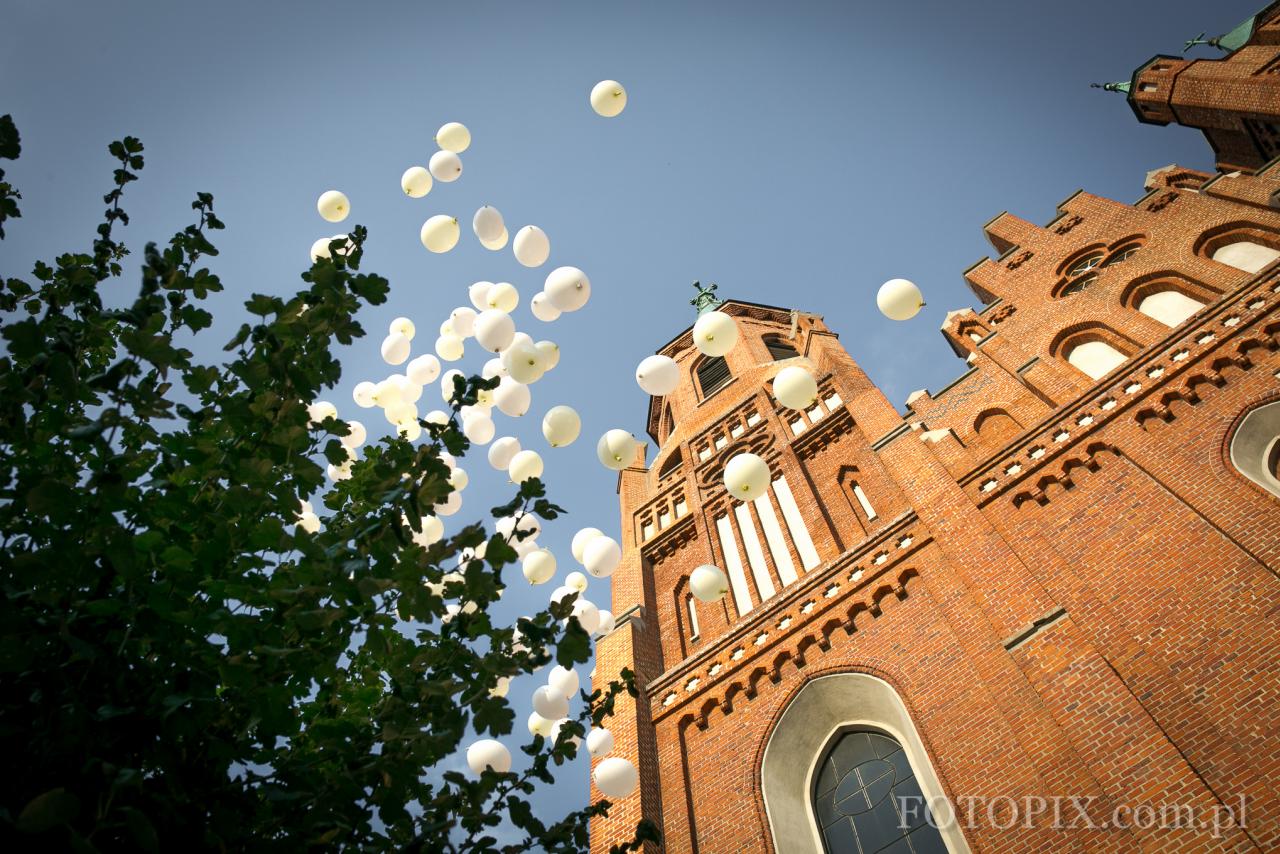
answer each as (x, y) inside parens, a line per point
(706, 300)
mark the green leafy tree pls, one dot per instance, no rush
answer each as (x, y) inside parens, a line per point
(180, 663)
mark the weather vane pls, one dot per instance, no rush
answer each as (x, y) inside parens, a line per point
(706, 300)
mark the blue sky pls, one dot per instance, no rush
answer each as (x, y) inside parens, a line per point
(798, 154)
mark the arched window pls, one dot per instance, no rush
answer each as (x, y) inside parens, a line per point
(866, 798)
(1085, 264)
(1124, 253)
(1247, 255)
(1095, 358)
(1169, 307)
(780, 348)
(713, 374)
(1255, 447)
(669, 465)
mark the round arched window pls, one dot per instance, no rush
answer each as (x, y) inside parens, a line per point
(1124, 253)
(1085, 264)
(1080, 284)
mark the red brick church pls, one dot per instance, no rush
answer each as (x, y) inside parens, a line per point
(1041, 604)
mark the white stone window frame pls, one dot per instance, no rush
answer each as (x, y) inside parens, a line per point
(1254, 443)
(823, 709)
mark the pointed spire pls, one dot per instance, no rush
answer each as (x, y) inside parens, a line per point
(706, 300)
(1119, 86)
(1232, 40)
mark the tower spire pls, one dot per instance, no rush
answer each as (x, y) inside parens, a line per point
(706, 300)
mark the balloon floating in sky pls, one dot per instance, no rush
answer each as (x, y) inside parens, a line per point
(564, 680)
(320, 410)
(362, 394)
(453, 136)
(708, 583)
(423, 370)
(416, 182)
(494, 329)
(795, 388)
(561, 426)
(715, 333)
(607, 622)
(403, 326)
(580, 540)
(616, 777)
(445, 166)
(524, 465)
(488, 224)
(478, 294)
(449, 348)
(616, 449)
(550, 703)
(608, 98)
(512, 398)
(333, 206)
(395, 348)
(497, 243)
(538, 725)
(539, 566)
(440, 233)
(899, 299)
(532, 247)
(503, 296)
(658, 375)
(487, 754)
(568, 288)
(543, 308)
(746, 476)
(601, 556)
(599, 742)
(502, 450)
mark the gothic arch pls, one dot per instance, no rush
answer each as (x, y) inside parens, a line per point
(822, 709)
(1221, 244)
(1092, 335)
(996, 426)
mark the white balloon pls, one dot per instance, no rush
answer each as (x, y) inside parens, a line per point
(406, 389)
(478, 294)
(453, 136)
(608, 98)
(400, 411)
(538, 565)
(494, 329)
(576, 581)
(550, 703)
(440, 233)
(481, 409)
(538, 725)
(502, 450)
(494, 368)
(512, 398)
(555, 733)
(588, 615)
(795, 388)
(309, 522)
(599, 742)
(531, 246)
(320, 249)
(436, 416)
(522, 523)
(463, 320)
(320, 410)
(607, 623)
(658, 375)
(432, 531)
(479, 429)
(542, 307)
(899, 299)
(450, 505)
(410, 430)
(524, 547)
(402, 326)
(499, 243)
(503, 296)
(708, 583)
(581, 539)
(416, 182)
(449, 348)
(524, 465)
(337, 473)
(362, 394)
(715, 333)
(423, 370)
(459, 479)
(446, 384)
(616, 777)
(550, 351)
(500, 689)
(394, 348)
(333, 206)
(488, 224)
(356, 437)
(445, 166)
(487, 754)
(561, 426)
(446, 328)
(568, 288)
(386, 393)
(562, 592)
(564, 680)
(523, 362)
(601, 556)
(616, 449)
(746, 476)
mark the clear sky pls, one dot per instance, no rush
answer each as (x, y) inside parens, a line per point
(798, 154)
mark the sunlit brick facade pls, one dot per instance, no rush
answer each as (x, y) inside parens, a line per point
(1057, 576)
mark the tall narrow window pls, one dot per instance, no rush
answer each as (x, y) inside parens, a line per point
(780, 348)
(862, 500)
(692, 605)
(713, 374)
(867, 798)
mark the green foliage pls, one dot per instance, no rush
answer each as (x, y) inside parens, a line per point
(179, 665)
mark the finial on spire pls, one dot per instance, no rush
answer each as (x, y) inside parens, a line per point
(1200, 39)
(706, 300)
(1119, 86)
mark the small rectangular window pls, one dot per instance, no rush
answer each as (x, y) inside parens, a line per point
(780, 349)
(862, 499)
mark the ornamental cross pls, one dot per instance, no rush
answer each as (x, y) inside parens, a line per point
(706, 299)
